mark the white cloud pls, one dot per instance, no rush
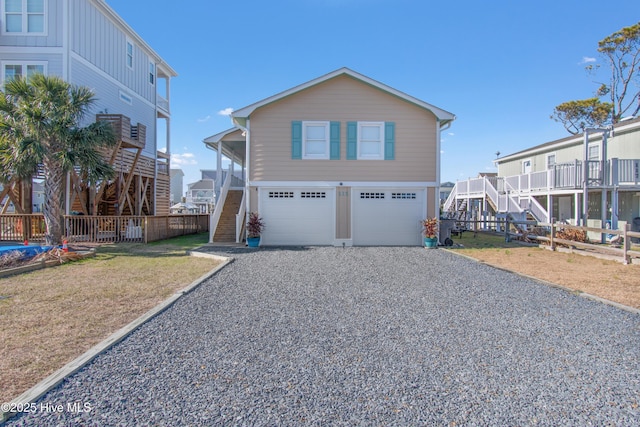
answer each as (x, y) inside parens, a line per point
(226, 112)
(587, 59)
(184, 159)
(204, 119)
(451, 134)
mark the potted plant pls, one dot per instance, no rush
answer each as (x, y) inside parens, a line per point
(255, 225)
(430, 232)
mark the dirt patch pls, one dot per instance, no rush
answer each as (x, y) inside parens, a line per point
(606, 279)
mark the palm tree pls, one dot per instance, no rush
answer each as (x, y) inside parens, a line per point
(39, 127)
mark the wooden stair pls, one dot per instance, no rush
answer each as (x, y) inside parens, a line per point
(226, 230)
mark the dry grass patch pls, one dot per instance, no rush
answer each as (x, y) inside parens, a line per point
(51, 316)
(607, 279)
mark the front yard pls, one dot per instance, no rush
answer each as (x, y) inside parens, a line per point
(51, 316)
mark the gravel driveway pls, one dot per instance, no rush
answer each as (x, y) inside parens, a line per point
(364, 336)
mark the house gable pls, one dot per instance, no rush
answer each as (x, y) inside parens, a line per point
(344, 99)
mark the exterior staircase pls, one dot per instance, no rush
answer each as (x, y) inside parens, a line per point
(226, 230)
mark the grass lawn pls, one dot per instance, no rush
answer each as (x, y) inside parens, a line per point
(51, 316)
(607, 279)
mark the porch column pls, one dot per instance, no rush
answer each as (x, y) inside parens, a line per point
(603, 214)
(577, 208)
(218, 181)
(549, 207)
(614, 193)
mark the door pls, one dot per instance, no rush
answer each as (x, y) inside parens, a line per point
(383, 217)
(298, 216)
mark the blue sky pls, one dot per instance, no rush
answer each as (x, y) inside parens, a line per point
(499, 66)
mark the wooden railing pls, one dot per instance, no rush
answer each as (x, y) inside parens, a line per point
(103, 229)
(547, 233)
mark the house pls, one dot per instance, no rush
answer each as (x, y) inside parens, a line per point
(87, 44)
(201, 194)
(549, 181)
(177, 192)
(339, 160)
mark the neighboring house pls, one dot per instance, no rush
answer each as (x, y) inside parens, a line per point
(548, 181)
(445, 190)
(86, 43)
(177, 191)
(202, 195)
(340, 160)
(37, 198)
(184, 208)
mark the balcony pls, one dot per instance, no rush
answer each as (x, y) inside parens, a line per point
(163, 105)
(130, 136)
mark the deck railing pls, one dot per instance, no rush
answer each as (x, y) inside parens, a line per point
(103, 229)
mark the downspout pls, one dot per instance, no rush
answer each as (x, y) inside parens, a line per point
(438, 163)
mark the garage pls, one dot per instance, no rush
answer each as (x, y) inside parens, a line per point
(388, 217)
(298, 216)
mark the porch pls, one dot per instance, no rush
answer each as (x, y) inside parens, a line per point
(530, 195)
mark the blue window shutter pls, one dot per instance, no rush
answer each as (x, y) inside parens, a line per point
(334, 141)
(296, 140)
(352, 140)
(389, 140)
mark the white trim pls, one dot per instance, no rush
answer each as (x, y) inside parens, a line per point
(363, 184)
(110, 14)
(154, 74)
(129, 42)
(327, 145)
(41, 50)
(596, 146)
(380, 155)
(25, 17)
(546, 159)
(24, 64)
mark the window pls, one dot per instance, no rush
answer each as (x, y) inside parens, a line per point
(594, 152)
(152, 73)
(315, 140)
(126, 98)
(129, 58)
(313, 195)
(371, 140)
(404, 196)
(281, 194)
(24, 69)
(24, 16)
(526, 166)
(551, 160)
(372, 195)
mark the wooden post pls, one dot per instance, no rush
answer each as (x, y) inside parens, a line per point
(626, 244)
(553, 234)
(507, 238)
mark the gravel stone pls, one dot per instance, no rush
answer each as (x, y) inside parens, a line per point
(363, 336)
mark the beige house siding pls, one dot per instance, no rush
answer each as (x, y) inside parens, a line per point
(343, 99)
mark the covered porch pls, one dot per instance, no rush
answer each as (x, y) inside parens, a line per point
(228, 218)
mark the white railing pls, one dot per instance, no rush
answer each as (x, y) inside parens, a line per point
(452, 197)
(538, 211)
(539, 180)
(476, 185)
(242, 211)
(162, 103)
(217, 212)
(628, 171)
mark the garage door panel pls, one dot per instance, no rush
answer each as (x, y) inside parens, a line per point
(298, 216)
(387, 217)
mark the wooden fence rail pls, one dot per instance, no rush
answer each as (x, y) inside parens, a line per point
(103, 229)
(547, 234)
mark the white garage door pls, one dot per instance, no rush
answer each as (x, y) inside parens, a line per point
(388, 217)
(298, 216)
